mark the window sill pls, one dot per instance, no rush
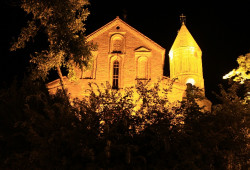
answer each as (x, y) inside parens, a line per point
(87, 78)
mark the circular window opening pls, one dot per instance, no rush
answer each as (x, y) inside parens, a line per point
(191, 81)
(117, 27)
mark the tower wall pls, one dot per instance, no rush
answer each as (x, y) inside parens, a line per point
(185, 58)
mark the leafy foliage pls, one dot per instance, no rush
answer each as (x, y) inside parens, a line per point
(107, 131)
(241, 74)
(62, 22)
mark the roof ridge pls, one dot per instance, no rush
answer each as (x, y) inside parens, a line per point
(117, 17)
(141, 34)
(132, 28)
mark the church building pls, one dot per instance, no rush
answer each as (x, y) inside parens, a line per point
(125, 56)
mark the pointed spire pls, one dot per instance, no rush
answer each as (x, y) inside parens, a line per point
(182, 19)
(184, 37)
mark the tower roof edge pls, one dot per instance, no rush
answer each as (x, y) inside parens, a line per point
(184, 39)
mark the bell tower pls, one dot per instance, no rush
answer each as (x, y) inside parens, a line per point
(185, 58)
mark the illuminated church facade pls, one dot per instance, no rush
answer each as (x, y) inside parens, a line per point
(125, 56)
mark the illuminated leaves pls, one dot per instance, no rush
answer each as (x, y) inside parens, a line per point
(141, 106)
(27, 33)
(242, 73)
(44, 62)
(62, 22)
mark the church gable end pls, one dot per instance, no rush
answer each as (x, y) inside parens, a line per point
(136, 54)
(119, 26)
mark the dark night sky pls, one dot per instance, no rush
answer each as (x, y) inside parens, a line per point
(221, 30)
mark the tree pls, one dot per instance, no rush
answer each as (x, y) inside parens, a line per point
(42, 131)
(231, 124)
(240, 74)
(62, 24)
(106, 131)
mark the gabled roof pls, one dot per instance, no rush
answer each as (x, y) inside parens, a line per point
(118, 22)
(184, 39)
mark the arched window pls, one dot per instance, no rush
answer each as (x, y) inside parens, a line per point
(142, 70)
(117, 43)
(115, 75)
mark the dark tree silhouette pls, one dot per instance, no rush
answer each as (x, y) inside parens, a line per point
(40, 131)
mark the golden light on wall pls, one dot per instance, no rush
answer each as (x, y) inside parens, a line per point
(191, 81)
(171, 55)
(142, 68)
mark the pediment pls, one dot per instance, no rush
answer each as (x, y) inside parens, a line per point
(142, 49)
(118, 23)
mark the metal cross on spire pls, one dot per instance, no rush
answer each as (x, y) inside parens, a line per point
(183, 19)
